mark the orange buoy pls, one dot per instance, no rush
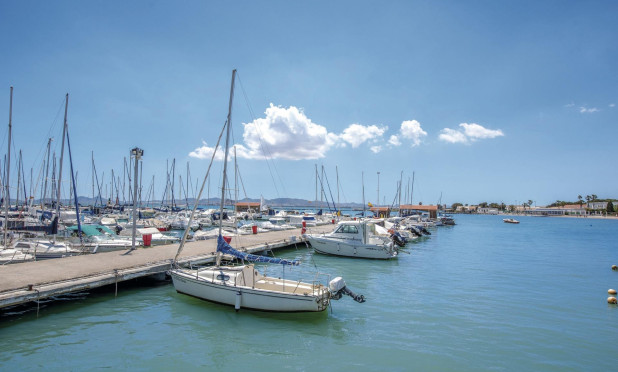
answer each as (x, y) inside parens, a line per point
(612, 300)
(611, 291)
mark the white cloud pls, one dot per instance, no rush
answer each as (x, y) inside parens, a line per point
(394, 141)
(376, 149)
(452, 136)
(468, 133)
(205, 152)
(475, 131)
(357, 134)
(612, 105)
(411, 129)
(585, 110)
(284, 133)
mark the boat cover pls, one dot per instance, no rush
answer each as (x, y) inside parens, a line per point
(225, 248)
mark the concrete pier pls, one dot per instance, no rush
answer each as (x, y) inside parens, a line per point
(30, 281)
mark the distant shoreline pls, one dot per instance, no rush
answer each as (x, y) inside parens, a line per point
(598, 217)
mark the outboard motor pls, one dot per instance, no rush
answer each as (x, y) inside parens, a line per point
(415, 231)
(398, 239)
(337, 289)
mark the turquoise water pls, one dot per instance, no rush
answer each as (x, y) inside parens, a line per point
(479, 296)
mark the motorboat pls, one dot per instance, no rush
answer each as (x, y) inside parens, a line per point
(510, 220)
(354, 239)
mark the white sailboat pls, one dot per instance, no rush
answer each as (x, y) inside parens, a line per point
(243, 286)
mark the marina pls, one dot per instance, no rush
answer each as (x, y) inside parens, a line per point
(38, 280)
(308, 186)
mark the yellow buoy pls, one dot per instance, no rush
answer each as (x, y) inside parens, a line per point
(612, 300)
(614, 267)
(611, 291)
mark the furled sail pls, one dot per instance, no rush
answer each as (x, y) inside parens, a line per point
(225, 248)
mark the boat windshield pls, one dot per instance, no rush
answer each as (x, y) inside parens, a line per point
(347, 229)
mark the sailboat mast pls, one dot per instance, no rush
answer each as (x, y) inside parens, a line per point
(400, 182)
(7, 198)
(18, 180)
(337, 171)
(64, 134)
(227, 150)
(412, 192)
(94, 203)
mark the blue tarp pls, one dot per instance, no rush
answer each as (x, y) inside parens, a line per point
(225, 248)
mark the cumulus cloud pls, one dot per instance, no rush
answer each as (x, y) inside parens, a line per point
(452, 136)
(284, 133)
(394, 141)
(376, 149)
(411, 129)
(357, 134)
(475, 131)
(205, 152)
(468, 133)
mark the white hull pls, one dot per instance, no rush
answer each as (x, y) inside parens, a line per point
(350, 248)
(243, 287)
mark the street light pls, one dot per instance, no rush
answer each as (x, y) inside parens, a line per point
(136, 153)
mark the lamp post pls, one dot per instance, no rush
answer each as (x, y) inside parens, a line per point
(136, 153)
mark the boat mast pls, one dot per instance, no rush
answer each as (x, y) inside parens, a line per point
(227, 150)
(412, 191)
(18, 180)
(337, 171)
(58, 188)
(7, 199)
(400, 182)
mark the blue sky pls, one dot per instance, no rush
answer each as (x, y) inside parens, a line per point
(482, 100)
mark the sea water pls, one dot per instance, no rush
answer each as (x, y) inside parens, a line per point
(479, 296)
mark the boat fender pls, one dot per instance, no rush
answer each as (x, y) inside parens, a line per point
(238, 299)
(611, 291)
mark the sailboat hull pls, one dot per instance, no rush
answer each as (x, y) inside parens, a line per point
(245, 288)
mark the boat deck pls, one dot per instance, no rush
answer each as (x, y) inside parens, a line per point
(29, 281)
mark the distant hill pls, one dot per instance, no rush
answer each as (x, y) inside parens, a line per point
(276, 203)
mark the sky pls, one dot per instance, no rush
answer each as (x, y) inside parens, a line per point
(477, 101)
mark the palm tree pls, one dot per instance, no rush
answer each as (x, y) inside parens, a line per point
(580, 200)
(530, 202)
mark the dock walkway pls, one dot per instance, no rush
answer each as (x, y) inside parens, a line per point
(30, 281)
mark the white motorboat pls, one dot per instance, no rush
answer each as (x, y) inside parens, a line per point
(354, 239)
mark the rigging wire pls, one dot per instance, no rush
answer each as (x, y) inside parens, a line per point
(264, 146)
